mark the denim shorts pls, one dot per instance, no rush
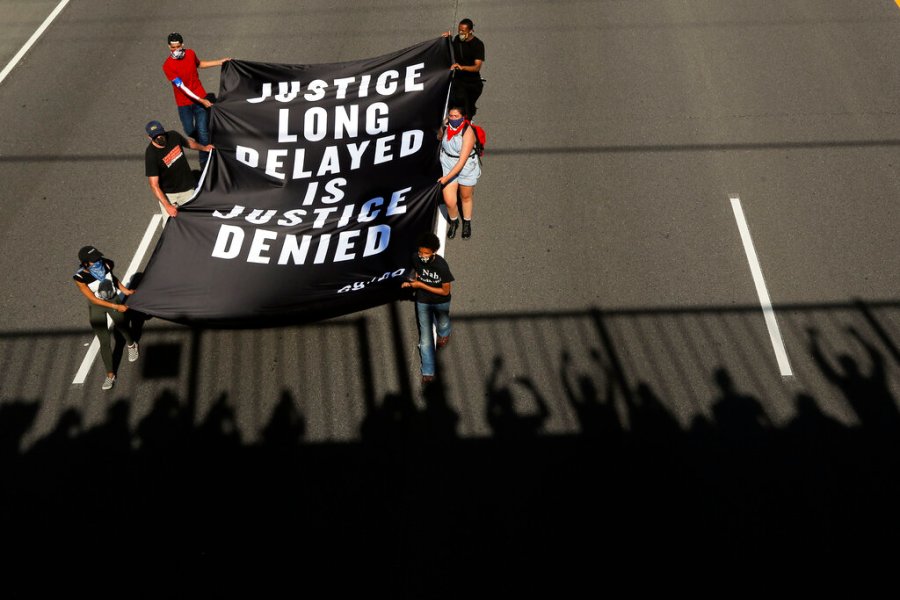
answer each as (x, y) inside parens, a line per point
(470, 173)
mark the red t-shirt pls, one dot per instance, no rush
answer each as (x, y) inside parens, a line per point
(186, 70)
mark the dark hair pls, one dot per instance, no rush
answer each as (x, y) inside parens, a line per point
(461, 110)
(468, 22)
(428, 240)
(175, 37)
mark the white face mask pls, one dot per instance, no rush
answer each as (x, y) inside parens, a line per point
(178, 54)
(463, 36)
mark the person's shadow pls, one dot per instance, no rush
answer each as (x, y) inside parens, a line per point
(16, 418)
(867, 393)
(651, 422)
(739, 417)
(390, 422)
(166, 429)
(811, 430)
(504, 420)
(597, 416)
(112, 437)
(286, 427)
(439, 420)
(219, 430)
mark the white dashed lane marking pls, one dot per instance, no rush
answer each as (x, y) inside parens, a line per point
(768, 312)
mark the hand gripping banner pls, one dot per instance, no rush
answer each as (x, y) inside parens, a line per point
(322, 178)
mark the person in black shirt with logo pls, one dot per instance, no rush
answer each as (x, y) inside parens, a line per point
(167, 168)
(431, 279)
(468, 51)
(96, 281)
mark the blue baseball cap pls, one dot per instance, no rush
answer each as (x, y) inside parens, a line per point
(155, 128)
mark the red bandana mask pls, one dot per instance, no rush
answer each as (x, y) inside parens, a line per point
(451, 132)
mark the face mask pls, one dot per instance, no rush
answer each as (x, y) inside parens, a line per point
(463, 36)
(160, 140)
(178, 54)
(98, 270)
(454, 123)
(426, 259)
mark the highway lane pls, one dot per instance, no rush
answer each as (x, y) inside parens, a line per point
(610, 164)
(606, 262)
(20, 21)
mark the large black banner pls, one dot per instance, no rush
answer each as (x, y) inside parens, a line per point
(322, 178)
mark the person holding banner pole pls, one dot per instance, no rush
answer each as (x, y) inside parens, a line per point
(462, 168)
(430, 280)
(468, 57)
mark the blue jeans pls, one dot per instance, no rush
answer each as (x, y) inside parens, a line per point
(195, 122)
(429, 315)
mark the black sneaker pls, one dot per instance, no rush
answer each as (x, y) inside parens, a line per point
(451, 230)
(467, 229)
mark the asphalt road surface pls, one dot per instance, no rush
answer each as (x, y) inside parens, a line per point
(612, 374)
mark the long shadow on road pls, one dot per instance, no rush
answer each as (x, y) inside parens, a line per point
(416, 502)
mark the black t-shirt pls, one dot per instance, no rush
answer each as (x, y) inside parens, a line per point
(170, 164)
(465, 54)
(435, 273)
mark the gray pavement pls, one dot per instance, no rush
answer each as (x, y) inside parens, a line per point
(605, 264)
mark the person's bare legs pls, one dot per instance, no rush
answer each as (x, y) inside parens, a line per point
(450, 190)
(466, 195)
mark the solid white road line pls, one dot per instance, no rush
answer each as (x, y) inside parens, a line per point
(441, 232)
(34, 37)
(81, 375)
(768, 312)
(142, 248)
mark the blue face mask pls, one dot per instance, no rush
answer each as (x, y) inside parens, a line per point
(454, 123)
(98, 270)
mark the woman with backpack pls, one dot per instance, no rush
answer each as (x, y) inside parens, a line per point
(96, 281)
(461, 167)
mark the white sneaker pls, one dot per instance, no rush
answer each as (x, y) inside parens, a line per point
(133, 352)
(109, 382)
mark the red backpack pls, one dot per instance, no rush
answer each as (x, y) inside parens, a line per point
(480, 138)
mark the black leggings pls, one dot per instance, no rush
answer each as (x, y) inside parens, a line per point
(98, 324)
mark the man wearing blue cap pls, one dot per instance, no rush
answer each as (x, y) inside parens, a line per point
(167, 168)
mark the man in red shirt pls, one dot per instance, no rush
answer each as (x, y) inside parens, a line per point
(181, 69)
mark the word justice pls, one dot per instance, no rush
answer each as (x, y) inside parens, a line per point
(387, 83)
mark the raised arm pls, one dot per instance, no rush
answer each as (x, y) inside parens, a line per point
(205, 64)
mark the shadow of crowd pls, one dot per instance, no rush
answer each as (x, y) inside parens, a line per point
(413, 496)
